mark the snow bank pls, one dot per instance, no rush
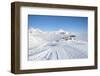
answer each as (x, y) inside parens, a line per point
(55, 45)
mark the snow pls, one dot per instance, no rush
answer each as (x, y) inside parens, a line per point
(55, 45)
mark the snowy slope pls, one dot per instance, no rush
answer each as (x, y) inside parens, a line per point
(53, 46)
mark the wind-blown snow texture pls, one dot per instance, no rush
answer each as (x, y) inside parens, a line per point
(56, 45)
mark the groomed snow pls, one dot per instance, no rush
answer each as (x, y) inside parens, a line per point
(55, 45)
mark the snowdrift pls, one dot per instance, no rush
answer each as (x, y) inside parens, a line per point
(55, 45)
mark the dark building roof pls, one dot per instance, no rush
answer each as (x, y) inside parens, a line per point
(72, 36)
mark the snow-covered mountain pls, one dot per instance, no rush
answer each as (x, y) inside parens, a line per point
(55, 45)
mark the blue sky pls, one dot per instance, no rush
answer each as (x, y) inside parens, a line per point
(52, 23)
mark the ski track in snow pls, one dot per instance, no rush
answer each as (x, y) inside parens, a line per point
(51, 47)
